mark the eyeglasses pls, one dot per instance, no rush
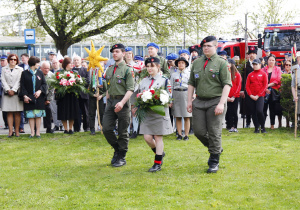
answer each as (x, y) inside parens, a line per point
(207, 46)
(13, 59)
(288, 65)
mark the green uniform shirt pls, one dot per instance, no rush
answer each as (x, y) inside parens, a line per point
(209, 82)
(164, 66)
(120, 82)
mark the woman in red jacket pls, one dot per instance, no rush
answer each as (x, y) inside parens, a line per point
(274, 78)
(233, 97)
(256, 85)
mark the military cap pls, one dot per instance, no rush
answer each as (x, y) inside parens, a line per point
(288, 54)
(138, 57)
(182, 59)
(172, 56)
(252, 49)
(193, 48)
(223, 52)
(267, 50)
(208, 39)
(152, 44)
(231, 61)
(152, 60)
(3, 57)
(117, 46)
(127, 49)
(52, 53)
(257, 61)
(184, 51)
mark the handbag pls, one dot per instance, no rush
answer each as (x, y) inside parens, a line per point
(275, 95)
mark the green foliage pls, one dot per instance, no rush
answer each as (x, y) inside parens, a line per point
(286, 99)
(60, 171)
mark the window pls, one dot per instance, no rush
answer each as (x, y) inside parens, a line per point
(236, 51)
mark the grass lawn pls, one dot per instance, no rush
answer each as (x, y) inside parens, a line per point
(257, 171)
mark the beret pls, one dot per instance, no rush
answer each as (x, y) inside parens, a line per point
(223, 52)
(172, 56)
(138, 57)
(127, 49)
(184, 51)
(117, 46)
(252, 49)
(152, 60)
(152, 44)
(231, 61)
(208, 39)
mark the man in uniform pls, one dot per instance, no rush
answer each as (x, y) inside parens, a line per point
(223, 54)
(153, 50)
(120, 86)
(212, 81)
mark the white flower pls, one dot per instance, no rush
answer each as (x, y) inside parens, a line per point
(146, 95)
(72, 76)
(164, 92)
(164, 98)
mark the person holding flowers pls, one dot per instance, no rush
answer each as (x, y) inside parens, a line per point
(33, 93)
(154, 88)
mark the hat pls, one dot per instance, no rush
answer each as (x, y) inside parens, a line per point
(3, 57)
(231, 61)
(52, 53)
(184, 51)
(257, 61)
(182, 59)
(252, 49)
(152, 60)
(138, 57)
(267, 50)
(194, 48)
(152, 44)
(127, 49)
(117, 46)
(222, 52)
(172, 56)
(208, 39)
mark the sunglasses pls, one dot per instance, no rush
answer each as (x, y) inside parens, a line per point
(13, 59)
(288, 65)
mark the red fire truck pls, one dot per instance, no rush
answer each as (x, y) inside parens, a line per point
(279, 39)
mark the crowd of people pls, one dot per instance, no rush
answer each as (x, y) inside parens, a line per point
(204, 89)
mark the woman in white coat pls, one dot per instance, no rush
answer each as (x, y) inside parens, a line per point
(10, 78)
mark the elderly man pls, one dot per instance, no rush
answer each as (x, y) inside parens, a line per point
(211, 81)
(83, 98)
(55, 65)
(45, 67)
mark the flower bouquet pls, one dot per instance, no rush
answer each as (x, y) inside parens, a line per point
(153, 99)
(67, 82)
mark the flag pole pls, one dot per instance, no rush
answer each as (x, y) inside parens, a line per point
(296, 92)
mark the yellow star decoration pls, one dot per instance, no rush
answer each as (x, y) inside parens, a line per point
(95, 57)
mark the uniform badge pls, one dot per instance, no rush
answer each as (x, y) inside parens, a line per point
(196, 75)
(211, 70)
(213, 75)
(38, 77)
(176, 80)
(119, 81)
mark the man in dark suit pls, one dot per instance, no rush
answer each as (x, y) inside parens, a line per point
(83, 98)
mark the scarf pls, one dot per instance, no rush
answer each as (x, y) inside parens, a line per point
(33, 78)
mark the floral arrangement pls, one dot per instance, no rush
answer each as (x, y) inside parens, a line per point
(67, 82)
(153, 99)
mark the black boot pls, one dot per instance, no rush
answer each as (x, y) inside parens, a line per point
(115, 157)
(213, 163)
(155, 167)
(120, 160)
(256, 130)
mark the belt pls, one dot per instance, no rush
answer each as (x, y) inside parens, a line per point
(207, 99)
(116, 97)
(180, 89)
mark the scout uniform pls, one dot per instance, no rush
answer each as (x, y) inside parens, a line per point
(208, 77)
(295, 68)
(179, 83)
(119, 80)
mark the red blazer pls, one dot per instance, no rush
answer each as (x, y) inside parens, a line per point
(257, 83)
(236, 86)
(275, 77)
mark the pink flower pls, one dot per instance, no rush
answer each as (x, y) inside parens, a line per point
(139, 95)
(64, 82)
(72, 81)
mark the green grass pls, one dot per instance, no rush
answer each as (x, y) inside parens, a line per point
(257, 171)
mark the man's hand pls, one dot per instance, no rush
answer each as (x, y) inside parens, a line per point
(99, 97)
(254, 97)
(119, 106)
(219, 109)
(11, 92)
(47, 102)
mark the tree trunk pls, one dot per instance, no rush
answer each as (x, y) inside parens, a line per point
(62, 46)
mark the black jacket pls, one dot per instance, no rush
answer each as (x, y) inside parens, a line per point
(27, 89)
(83, 73)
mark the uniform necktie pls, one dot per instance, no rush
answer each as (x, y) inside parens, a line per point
(208, 59)
(116, 66)
(151, 83)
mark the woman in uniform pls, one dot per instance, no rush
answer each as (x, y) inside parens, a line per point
(154, 125)
(179, 83)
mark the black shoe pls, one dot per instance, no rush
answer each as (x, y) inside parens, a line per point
(71, 132)
(66, 132)
(56, 128)
(263, 130)
(247, 126)
(213, 168)
(120, 162)
(61, 128)
(134, 135)
(49, 131)
(86, 130)
(6, 127)
(93, 132)
(256, 130)
(114, 158)
(155, 167)
(179, 137)
(21, 130)
(186, 138)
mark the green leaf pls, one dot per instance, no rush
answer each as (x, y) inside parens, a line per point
(158, 109)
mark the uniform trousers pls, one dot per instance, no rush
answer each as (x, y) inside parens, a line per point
(53, 107)
(109, 123)
(232, 113)
(84, 112)
(93, 111)
(47, 119)
(208, 126)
